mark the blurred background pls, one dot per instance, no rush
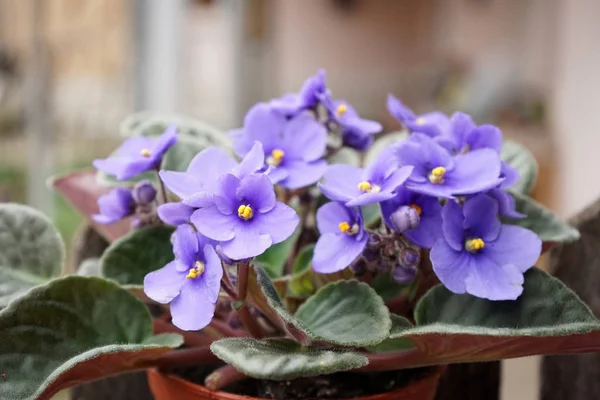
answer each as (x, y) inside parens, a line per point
(71, 70)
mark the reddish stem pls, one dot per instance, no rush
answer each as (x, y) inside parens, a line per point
(243, 271)
(223, 377)
(163, 191)
(249, 322)
(225, 329)
(194, 356)
(394, 360)
(192, 339)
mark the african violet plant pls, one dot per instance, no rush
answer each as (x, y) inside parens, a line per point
(315, 250)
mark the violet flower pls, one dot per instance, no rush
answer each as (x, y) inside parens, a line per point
(356, 132)
(432, 124)
(245, 219)
(429, 210)
(138, 154)
(294, 147)
(465, 135)
(115, 206)
(191, 282)
(342, 239)
(480, 256)
(175, 213)
(313, 90)
(361, 186)
(437, 173)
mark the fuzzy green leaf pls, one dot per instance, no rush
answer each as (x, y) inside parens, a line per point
(281, 359)
(131, 257)
(523, 161)
(399, 324)
(542, 221)
(274, 259)
(548, 318)
(371, 215)
(73, 330)
(31, 250)
(383, 142)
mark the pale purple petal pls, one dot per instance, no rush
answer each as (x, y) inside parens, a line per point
(200, 199)
(226, 198)
(182, 184)
(192, 310)
(452, 226)
(341, 182)
(164, 284)
(304, 138)
(123, 168)
(175, 213)
(399, 110)
(213, 272)
(240, 142)
(451, 267)
(462, 125)
(132, 147)
(382, 167)
(515, 246)
(370, 198)
(474, 172)
(257, 191)
(185, 244)
(211, 223)
(409, 153)
(481, 217)
(335, 252)
(209, 164)
(330, 215)
(506, 204)
(248, 241)
(432, 124)
(114, 206)
(397, 178)
(494, 282)
(301, 174)
(510, 175)
(279, 223)
(485, 136)
(264, 125)
(430, 224)
(252, 162)
(164, 141)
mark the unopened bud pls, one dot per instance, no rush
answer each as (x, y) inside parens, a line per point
(405, 218)
(404, 275)
(144, 193)
(409, 257)
(359, 267)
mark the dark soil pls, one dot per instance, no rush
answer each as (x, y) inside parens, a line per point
(341, 385)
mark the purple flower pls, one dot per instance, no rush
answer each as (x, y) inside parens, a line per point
(175, 213)
(356, 132)
(480, 256)
(361, 186)
(293, 147)
(506, 203)
(144, 193)
(138, 154)
(342, 239)
(465, 135)
(429, 210)
(245, 219)
(310, 95)
(115, 206)
(432, 124)
(191, 282)
(437, 173)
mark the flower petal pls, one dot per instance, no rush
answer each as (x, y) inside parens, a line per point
(225, 197)
(175, 213)
(330, 215)
(474, 172)
(279, 223)
(213, 272)
(248, 241)
(265, 125)
(304, 139)
(164, 284)
(491, 281)
(252, 162)
(370, 198)
(397, 178)
(452, 225)
(506, 204)
(335, 252)
(430, 224)
(451, 267)
(301, 174)
(181, 184)
(485, 137)
(213, 224)
(209, 164)
(185, 244)
(515, 246)
(123, 168)
(192, 310)
(399, 110)
(164, 141)
(481, 217)
(341, 182)
(257, 191)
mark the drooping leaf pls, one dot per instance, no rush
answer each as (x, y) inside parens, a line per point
(130, 258)
(383, 142)
(399, 324)
(281, 359)
(31, 250)
(274, 259)
(73, 330)
(523, 161)
(548, 318)
(348, 313)
(542, 221)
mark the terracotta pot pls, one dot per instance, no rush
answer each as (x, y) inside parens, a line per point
(169, 387)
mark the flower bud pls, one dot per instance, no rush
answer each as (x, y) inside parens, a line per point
(359, 267)
(409, 257)
(404, 275)
(404, 218)
(370, 255)
(144, 193)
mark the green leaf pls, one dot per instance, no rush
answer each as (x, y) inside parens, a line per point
(346, 156)
(90, 267)
(383, 142)
(371, 215)
(386, 286)
(523, 161)
(131, 257)
(282, 359)
(301, 283)
(542, 221)
(348, 313)
(31, 250)
(73, 330)
(274, 259)
(548, 318)
(399, 324)
(303, 260)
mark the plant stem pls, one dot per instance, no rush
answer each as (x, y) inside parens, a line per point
(228, 289)
(249, 322)
(243, 271)
(396, 360)
(163, 190)
(227, 282)
(194, 356)
(191, 339)
(223, 377)
(225, 329)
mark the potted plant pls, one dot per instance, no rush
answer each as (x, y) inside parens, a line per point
(316, 263)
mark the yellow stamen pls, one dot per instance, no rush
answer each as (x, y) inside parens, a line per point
(197, 271)
(341, 110)
(418, 209)
(275, 158)
(368, 187)
(473, 245)
(437, 175)
(420, 121)
(348, 229)
(344, 227)
(145, 152)
(245, 212)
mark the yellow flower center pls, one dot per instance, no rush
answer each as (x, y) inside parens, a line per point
(341, 110)
(197, 271)
(275, 158)
(474, 245)
(346, 228)
(418, 209)
(420, 121)
(368, 187)
(145, 152)
(245, 212)
(437, 175)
